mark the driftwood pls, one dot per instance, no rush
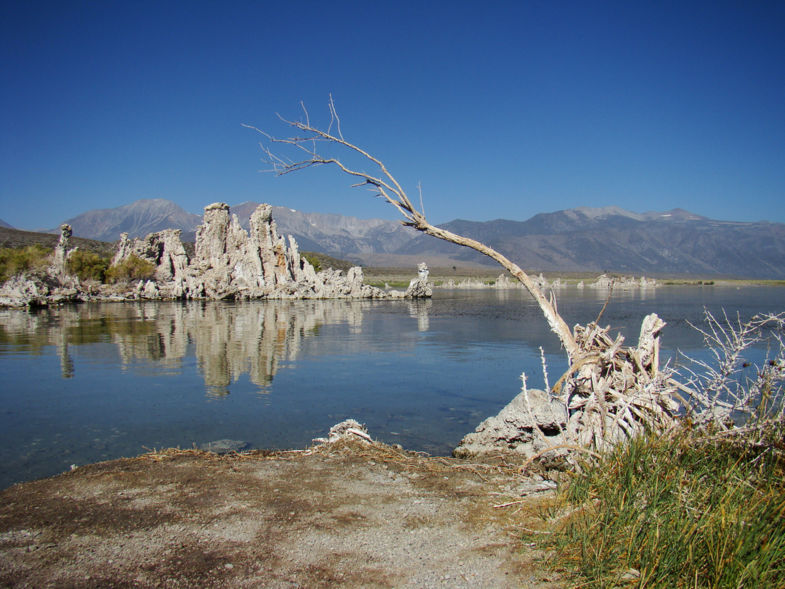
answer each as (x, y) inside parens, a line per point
(728, 388)
(614, 392)
(346, 430)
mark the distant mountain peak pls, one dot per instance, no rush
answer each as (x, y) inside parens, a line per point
(138, 218)
(679, 215)
(599, 213)
(603, 212)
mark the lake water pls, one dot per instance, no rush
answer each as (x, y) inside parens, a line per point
(94, 382)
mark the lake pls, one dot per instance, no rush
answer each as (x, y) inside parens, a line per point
(93, 382)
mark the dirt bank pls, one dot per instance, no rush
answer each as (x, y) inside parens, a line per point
(345, 514)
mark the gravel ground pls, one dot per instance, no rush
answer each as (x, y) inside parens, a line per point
(344, 514)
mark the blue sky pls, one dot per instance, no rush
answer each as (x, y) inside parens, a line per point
(498, 109)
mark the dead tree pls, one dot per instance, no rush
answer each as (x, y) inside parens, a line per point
(610, 392)
(384, 185)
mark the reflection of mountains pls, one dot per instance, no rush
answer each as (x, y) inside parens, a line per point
(228, 339)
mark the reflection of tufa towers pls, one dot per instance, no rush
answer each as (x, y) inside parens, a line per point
(228, 339)
(252, 338)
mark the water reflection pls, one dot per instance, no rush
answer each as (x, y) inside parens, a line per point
(227, 340)
(418, 309)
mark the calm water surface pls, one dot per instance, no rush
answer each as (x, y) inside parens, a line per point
(98, 381)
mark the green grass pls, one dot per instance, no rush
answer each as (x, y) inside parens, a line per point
(688, 510)
(321, 261)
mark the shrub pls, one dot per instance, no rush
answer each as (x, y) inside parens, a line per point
(87, 265)
(313, 261)
(321, 261)
(131, 269)
(14, 261)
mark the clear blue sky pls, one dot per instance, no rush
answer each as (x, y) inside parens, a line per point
(499, 109)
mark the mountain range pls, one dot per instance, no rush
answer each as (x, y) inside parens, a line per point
(137, 219)
(608, 239)
(612, 239)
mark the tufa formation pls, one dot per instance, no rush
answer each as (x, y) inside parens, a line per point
(229, 263)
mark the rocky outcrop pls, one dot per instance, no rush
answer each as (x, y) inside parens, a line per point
(232, 263)
(37, 289)
(530, 423)
(166, 252)
(24, 290)
(348, 429)
(53, 284)
(604, 282)
(59, 268)
(502, 282)
(608, 396)
(229, 263)
(419, 287)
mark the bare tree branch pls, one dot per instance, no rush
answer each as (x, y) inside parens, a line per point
(718, 390)
(386, 186)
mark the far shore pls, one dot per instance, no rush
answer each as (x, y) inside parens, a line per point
(399, 277)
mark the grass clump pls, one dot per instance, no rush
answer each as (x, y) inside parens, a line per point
(693, 509)
(131, 269)
(15, 261)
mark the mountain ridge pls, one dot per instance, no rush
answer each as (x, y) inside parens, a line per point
(653, 243)
(582, 239)
(139, 218)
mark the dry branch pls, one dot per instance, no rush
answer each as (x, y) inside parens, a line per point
(385, 185)
(718, 391)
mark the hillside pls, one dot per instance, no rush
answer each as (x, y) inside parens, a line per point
(15, 238)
